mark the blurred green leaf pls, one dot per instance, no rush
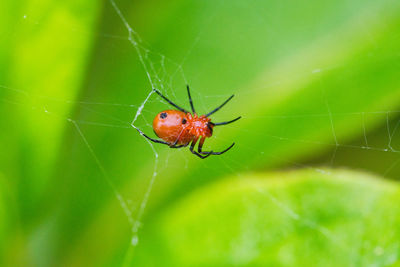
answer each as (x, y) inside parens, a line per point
(297, 218)
(3, 213)
(43, 61)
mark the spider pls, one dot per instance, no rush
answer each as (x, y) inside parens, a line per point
(179, 128)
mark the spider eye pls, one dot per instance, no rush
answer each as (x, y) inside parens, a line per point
(163, 115)
(184, 121)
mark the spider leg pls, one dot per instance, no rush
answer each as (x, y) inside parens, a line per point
(211, 152)
(190, 99)
(220, 106)
(179, 146)
(174, 144)
(170, 102)
(195, 152)
(226, 122)
(159, 141)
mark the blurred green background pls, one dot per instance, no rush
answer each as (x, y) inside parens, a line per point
(311, 181)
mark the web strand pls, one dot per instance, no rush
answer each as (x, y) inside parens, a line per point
(134, 39)
(121, 200)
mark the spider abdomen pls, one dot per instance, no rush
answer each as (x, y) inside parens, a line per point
(173, 127)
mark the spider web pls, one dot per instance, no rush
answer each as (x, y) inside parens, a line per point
(169, 77)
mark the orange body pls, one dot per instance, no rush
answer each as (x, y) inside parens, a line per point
(180, 128)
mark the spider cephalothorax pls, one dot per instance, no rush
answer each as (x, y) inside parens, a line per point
(200, 126)
(178, 128)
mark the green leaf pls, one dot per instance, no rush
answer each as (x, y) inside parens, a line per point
(4, 219)
(295, 218)
(43, 55)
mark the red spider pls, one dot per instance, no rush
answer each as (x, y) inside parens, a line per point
(177, 128)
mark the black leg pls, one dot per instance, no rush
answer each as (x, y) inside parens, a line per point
(212, 152)
(170, 102)
(152, 139)
(190, 98)
(194, 152)
(174, 145)
(225, 122)
(159, 141)
(218, 108)
(178, 146)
